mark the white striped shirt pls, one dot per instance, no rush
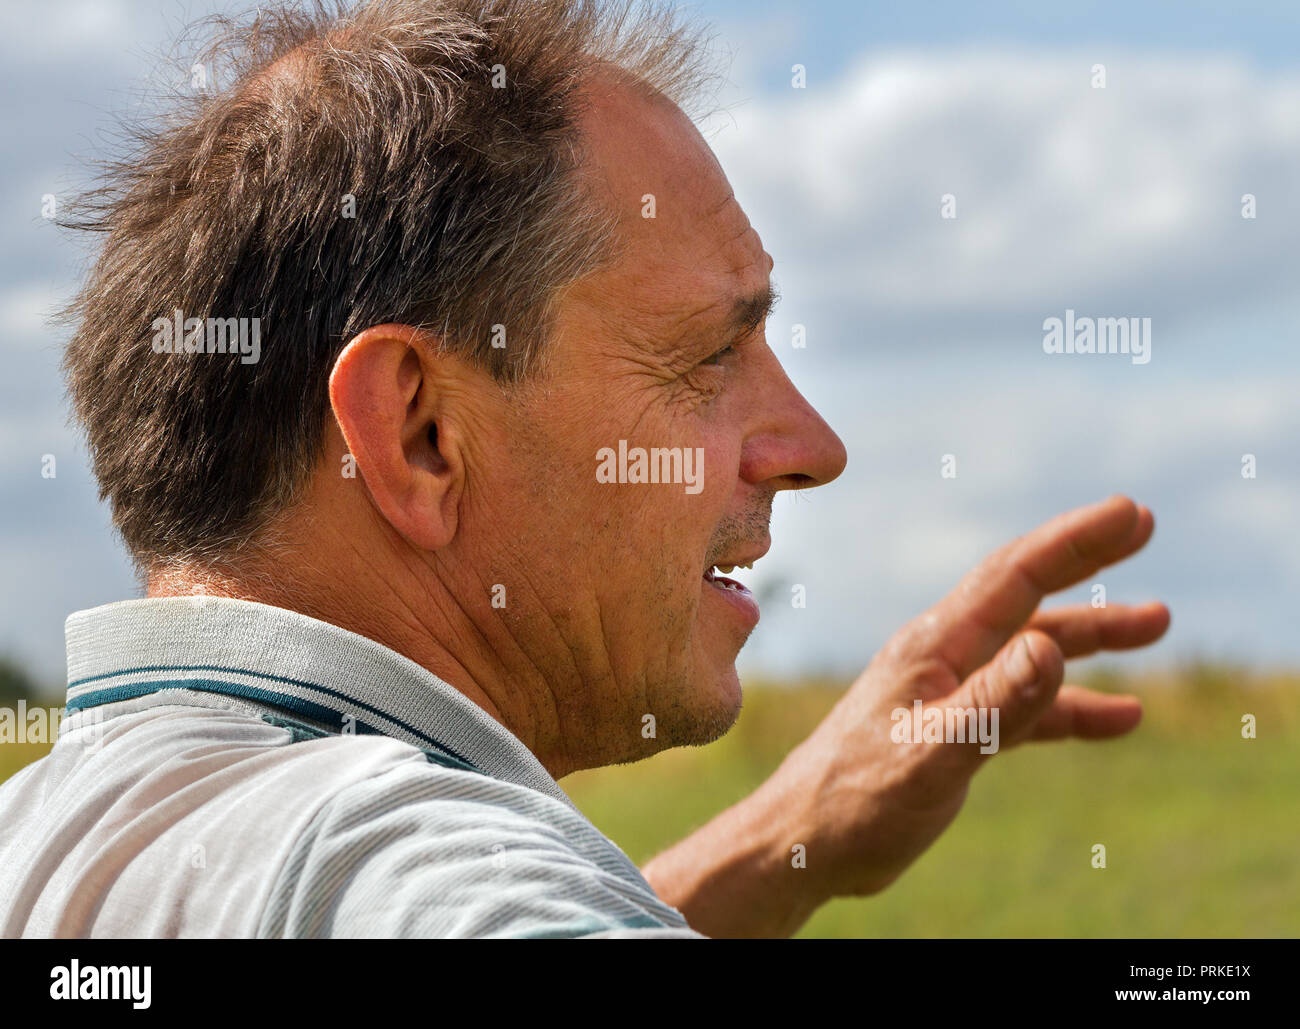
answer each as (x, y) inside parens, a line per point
(230, 769)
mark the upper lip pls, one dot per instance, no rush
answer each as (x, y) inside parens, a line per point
(737, 558)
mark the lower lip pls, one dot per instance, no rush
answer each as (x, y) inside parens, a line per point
(739, 598)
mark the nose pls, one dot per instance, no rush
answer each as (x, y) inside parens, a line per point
(789, 446)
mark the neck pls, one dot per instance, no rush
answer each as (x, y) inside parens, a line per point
(472, 651)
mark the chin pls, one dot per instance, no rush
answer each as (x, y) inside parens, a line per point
(730, 693)
(714, 706)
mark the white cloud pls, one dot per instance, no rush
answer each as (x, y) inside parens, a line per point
(1063, 191)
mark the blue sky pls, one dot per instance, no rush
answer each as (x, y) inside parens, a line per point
(924, 333)
(841, 31)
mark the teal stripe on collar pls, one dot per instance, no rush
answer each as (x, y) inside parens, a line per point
(300, 733)
(305, 708)
(318, 712)
(268, 676)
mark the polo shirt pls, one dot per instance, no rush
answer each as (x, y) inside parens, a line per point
(231, 769)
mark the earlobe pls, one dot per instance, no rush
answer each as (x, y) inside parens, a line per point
(385, 397)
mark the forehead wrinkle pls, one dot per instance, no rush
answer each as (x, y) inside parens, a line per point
(742, 312)
(734, 230)
(698, 271)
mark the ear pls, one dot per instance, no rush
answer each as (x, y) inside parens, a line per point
(384, 393)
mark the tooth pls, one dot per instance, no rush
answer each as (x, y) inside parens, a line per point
(726, 569)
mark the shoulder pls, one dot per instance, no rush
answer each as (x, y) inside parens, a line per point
(427, 849)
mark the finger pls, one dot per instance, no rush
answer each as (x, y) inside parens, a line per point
(992, 602)
(1087, 715)
(1015, 689)
(1083, 629)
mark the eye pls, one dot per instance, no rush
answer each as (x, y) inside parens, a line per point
(717, 358)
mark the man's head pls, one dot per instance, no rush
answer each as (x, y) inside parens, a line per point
(547, 293)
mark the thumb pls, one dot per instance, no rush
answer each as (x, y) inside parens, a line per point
(1019, 685)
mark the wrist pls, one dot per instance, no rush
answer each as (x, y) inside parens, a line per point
(751, 871)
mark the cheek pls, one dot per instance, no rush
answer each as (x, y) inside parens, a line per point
(718, 480)
(643, 541)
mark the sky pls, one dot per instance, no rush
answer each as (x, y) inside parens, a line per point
(923, 334)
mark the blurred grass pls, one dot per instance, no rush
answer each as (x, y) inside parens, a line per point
(14, 756)
(1201, 827)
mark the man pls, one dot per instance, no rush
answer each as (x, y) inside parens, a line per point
(448, 532)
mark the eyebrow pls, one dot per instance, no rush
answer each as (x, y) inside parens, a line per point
(749, 312)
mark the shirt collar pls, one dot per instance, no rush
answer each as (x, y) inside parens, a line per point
(286, 662)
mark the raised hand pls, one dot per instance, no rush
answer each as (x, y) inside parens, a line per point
(871, 804)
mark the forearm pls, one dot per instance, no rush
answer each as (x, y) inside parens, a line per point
(741, 874)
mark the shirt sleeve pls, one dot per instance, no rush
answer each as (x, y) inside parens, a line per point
(421, 851)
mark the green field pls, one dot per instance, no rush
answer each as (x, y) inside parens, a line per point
(1201, 827)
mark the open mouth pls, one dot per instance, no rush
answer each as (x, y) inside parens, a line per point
(735, 595)
(712, 577)
(732, 594)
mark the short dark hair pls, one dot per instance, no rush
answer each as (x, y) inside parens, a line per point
(452, 126)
